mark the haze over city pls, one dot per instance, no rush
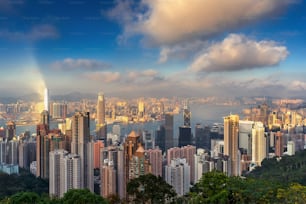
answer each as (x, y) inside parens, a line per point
(153, 48)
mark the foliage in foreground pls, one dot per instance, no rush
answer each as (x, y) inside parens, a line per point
(73, 196)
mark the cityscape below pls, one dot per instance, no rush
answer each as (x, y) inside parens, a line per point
(103, 144)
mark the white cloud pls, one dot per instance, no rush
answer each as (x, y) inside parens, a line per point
(103, 76)
(180, 51)
(175, 21)
(38, 32)
(237, 52)
(79, 64)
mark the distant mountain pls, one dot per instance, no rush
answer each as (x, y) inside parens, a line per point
(73, 96)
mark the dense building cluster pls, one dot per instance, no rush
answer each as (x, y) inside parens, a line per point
(70, 156)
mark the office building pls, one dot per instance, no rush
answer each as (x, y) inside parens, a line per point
(202, 137)
(101, 129)
(169, 125)
(10, 130)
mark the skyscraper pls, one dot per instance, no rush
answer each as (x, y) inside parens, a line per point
(64, 172)
(112, 171)
(10, 130)
(185, 137)
(81, 146)
(46, 99)
(169, 123)
(279, 144)
(259, 149)
(101, 128)
(231, 128)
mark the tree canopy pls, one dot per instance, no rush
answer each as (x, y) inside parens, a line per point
(150, 189)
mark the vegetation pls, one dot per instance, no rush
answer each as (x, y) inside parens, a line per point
(215, 187)
(150, 189)
(276, 181)
(25, 181)
(73, 196)
(287, 169)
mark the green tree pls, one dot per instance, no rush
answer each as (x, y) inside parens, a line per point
(82, 196)
(295, 193)
(212, 188)
(24, 198)
(150, 189)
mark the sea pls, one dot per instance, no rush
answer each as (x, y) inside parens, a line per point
(205, 114)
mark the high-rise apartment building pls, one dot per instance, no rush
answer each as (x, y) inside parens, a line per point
(156, 159)
(101, 128)
(112, 171)
(231, 129)
(177, 174)
(279, 144)
(82, 146)
(64, 172)
(186, 152)
(136, 163)
(259, 148)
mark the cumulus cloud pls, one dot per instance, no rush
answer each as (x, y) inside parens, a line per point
(174, 21)
(180, 51)
(70, 64)
(103, 76)
(38, 32)
(237, 52)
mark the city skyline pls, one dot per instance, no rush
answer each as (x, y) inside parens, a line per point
(153, 48)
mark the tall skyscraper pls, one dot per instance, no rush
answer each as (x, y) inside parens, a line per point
(10, 130)
(160, 138)
(185, 137)
(259, 149)
(43, 146)
(46, 99)
(81, 146)
(101, 128)
(169, 123)
(202, 137)
(231, 128)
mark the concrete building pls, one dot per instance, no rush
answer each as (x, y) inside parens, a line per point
(178, 175)
(155, 158)
(231, 129)
(259, 143)
(82, 146)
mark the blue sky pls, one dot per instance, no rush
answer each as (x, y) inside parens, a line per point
(153, 47)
